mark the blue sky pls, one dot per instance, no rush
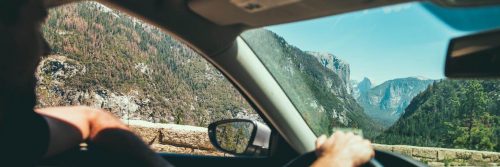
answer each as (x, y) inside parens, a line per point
(390, 42)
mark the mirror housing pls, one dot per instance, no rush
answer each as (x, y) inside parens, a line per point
(253, 137)
(474, 56)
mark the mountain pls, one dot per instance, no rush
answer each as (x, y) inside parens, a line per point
(340, 67)
(361, 88)
(107, 59)
(386, 102)
(316, 89)
(451, 113)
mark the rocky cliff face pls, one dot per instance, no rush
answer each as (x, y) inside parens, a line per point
(387, 101)
(338, 66)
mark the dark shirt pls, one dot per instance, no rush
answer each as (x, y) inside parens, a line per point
(24, 134)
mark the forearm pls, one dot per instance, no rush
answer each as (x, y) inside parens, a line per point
(331, 161)
(85, 121)
(101, 129)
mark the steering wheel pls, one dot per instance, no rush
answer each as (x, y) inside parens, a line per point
(381, 159)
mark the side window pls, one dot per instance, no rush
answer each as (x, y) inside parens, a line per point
(166, 92)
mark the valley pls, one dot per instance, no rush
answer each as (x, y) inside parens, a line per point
(386, 102)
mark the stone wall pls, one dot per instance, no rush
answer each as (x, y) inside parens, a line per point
(194, 140)
(445, 157)
(175, 138)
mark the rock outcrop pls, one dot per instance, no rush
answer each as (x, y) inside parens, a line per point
(55, 70)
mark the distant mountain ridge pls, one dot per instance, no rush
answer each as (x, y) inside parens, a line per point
(386, 102)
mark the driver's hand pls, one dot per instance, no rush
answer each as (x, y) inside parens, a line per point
(342, 149)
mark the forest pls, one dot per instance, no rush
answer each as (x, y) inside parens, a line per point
(461, 114)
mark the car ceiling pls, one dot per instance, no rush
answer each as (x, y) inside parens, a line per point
(211, 26)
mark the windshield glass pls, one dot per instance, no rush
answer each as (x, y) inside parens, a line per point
(381, 71)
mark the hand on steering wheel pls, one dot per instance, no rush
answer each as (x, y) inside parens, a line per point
(343, 149)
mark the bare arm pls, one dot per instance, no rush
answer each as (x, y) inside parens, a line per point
(70, 126)
(342, 149)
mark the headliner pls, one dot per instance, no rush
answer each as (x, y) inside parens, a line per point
(211, 26)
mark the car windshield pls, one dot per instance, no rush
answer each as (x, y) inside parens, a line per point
(381, 71)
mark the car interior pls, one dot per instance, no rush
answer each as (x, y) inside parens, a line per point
(212, 28)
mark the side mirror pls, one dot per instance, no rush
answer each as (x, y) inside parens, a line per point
(240, 137)
(474, 56)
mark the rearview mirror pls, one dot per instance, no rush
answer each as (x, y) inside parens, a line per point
(466, 3)
(474, 56)
(240, 137)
